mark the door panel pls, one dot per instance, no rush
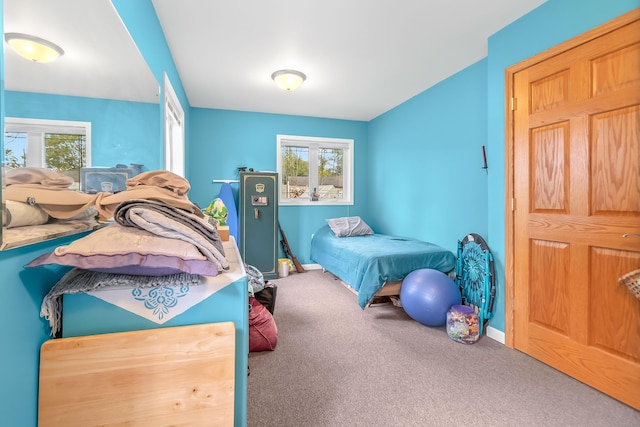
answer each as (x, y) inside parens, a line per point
(549, 178)
(615, 162)
(550, 304)
(611, 313)
(576, 187)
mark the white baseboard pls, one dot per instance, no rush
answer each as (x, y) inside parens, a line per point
(495, 334)
(312, 266)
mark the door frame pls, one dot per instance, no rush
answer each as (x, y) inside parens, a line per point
(509, 103)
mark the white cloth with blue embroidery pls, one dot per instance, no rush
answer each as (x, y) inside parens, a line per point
(159, 305)
(155, 298)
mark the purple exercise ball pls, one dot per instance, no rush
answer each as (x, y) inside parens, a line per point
(427, 295)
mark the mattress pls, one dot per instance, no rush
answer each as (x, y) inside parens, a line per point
(365, 263)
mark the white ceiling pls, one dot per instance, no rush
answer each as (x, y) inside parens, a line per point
(100, 60)
(361, 57)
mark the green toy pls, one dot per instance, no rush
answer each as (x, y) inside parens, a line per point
(218, 211)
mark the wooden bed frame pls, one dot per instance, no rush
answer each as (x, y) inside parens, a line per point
(389, 289)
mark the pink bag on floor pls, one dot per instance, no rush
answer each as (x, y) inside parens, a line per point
(263, 333)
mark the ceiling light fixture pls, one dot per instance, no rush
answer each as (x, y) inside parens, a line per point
(288, 79)
(33, 48)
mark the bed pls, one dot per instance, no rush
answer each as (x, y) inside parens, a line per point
(369, 263)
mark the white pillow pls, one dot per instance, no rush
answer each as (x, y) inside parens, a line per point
(349, 226)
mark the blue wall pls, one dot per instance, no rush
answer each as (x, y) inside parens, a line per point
(133, 140)
(550, 24)
(445, 126)
(441, 187)
(221, 141)
(121, 131)
(23, 331)
(425, 162)
(139, 16)
(23, 290)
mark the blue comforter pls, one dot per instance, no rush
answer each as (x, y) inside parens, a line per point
(366, 262)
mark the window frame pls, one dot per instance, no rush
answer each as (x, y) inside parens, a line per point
(44, 126)
(313, 143)
(174, 134)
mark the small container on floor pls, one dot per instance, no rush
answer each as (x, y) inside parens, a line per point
(283, 269)
(462, 324)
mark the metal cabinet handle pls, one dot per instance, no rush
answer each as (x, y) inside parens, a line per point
(637, 236)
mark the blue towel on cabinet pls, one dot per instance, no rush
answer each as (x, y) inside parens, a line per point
(226, 195)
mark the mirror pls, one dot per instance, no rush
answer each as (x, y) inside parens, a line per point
(101, 79)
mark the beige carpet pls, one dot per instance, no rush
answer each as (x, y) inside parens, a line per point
(338, 365)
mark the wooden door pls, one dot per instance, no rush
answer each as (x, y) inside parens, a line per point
(576, 189)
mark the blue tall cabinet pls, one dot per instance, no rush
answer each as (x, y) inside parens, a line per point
(258, 221)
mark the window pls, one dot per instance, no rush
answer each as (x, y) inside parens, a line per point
(59, 145)
(315, 170)
(173, 131)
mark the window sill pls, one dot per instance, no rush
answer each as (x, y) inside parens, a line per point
(318, 203)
